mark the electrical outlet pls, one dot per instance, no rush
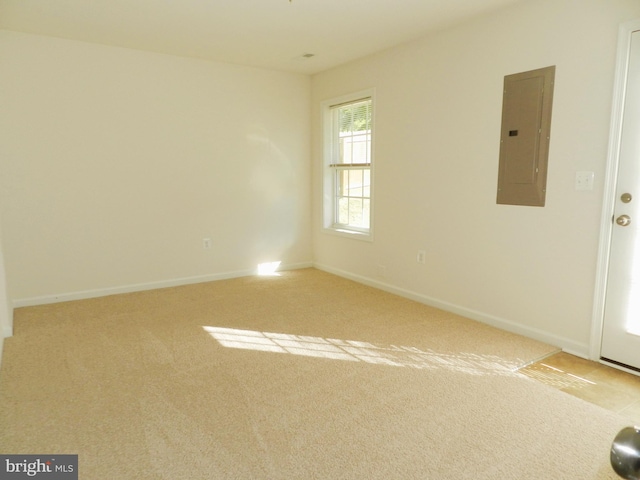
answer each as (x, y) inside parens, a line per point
(381, 271)
(421, 257)
(206, 243)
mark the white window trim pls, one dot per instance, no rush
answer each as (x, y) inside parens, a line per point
(328, 184)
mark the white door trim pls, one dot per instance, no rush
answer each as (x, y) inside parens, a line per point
(611, 172)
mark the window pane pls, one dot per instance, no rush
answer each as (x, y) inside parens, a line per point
(366, 213)
(360, 149)
(355, 212)
(360, 115)
(354, 132)
(346, 155)
(346, 117)
(355, 183)
(343, 183)
(366, 191)
(343, 211)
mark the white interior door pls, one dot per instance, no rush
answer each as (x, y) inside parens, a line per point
(621, 327)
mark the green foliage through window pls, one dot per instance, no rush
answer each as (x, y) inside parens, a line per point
(355, 117)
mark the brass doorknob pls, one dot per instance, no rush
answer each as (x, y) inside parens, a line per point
(623, 220)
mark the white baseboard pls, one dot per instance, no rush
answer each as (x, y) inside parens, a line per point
(139, 287)
(566, 344)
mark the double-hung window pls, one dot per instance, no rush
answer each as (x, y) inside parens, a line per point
(348, 140)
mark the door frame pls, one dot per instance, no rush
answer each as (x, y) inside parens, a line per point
(609, 195)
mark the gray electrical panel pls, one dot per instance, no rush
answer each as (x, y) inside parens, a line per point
(524, 137)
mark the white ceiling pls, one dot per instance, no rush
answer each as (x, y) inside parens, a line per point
(262, 33)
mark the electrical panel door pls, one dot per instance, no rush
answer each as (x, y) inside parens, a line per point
(524, 137)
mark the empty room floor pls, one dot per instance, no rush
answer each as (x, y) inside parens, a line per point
(596, 383)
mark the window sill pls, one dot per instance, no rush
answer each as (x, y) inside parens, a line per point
(346, 233)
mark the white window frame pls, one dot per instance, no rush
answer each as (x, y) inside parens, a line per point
(329, 206)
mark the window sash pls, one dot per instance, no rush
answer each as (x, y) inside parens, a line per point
(352, 199)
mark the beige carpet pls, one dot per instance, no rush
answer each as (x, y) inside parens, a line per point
(300, 376)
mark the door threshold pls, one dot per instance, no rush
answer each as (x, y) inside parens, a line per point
(620, 366)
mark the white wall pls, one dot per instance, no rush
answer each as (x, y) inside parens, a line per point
(438, 113)
(117, 163)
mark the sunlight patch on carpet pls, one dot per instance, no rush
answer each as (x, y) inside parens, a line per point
(358, 351)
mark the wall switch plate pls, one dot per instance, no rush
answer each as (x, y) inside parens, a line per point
(584, 180)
